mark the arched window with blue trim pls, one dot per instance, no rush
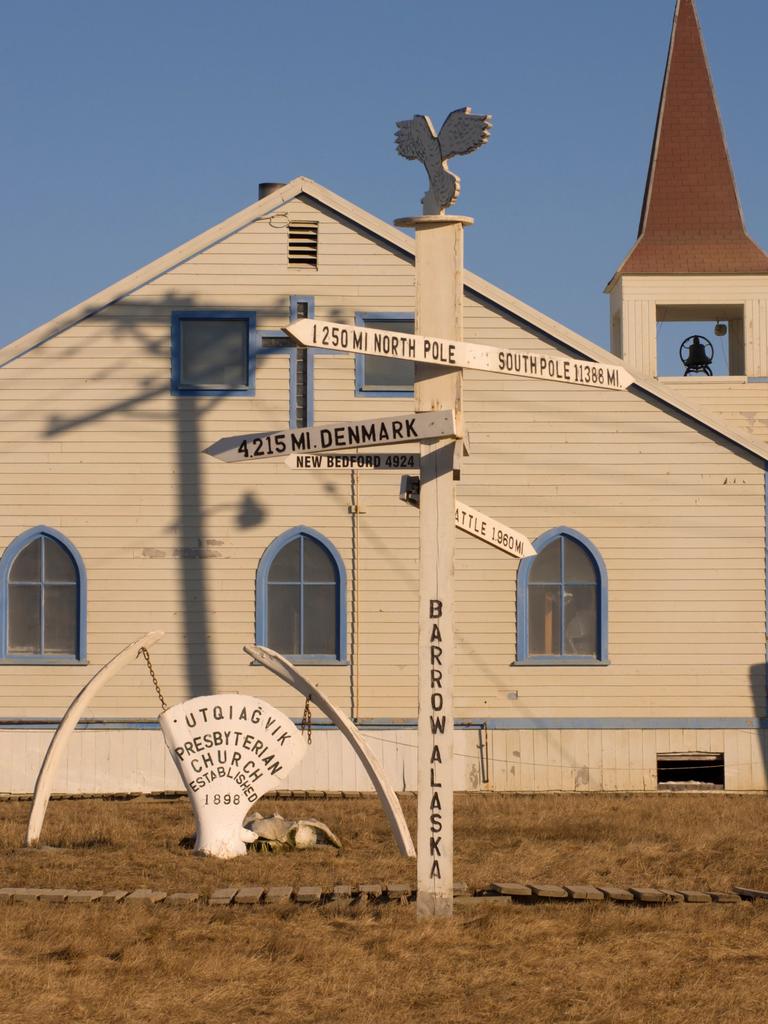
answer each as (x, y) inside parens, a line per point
(301, 598)
(43, 599)
(562, 601)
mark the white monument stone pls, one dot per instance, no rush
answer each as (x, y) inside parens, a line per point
(230, 749)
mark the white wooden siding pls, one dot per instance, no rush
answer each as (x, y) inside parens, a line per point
(93, 443)
(517, 760)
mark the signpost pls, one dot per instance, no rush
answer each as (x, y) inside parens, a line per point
(355, 460)
(335, 437)
(440, 356)
(437, 351)
(492, 532)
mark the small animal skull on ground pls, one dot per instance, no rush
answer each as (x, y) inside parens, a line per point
(277, 833)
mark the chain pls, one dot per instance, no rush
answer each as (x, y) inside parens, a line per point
(161, 698)
(306, 722)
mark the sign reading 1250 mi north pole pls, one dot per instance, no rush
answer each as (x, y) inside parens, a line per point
(458, 354)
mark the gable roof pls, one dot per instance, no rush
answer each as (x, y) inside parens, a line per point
(691, 221)
(404, 244)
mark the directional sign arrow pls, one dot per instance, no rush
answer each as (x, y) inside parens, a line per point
(492, 532)
(458, 354)
(415, 426)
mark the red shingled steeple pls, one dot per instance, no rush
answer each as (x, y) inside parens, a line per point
(691, 221)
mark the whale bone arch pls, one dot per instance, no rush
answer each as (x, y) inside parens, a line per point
(66, 727)
(286, 671)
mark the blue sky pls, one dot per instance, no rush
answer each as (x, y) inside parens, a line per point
(129, 128)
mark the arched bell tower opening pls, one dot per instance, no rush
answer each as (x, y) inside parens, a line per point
(693, 271)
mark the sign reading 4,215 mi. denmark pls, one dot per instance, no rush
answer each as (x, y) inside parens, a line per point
(415, 426)
(459, 354)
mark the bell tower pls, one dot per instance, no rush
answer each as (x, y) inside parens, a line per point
(693, 263)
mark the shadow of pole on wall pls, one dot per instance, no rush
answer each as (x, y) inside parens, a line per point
(194, 528)
(758, 675)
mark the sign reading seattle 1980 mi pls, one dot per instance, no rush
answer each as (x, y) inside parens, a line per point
(459, 354)
(415, 426)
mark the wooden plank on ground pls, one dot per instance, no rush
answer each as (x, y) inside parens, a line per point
(725, 897)
(148, 896)
(397, 891)
(741, 890)
(643, 895)
(55, 895)
(309, 894)
(673, 896)
(177, 899)
(26, 895)
(584, 892)
(511, 889)
(371, 891)
(250, 894)
(278, 894)
(549, 892)
(616, 893)
(694, 896)
(85, 896)
(221, 897)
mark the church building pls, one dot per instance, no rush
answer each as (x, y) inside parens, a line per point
(628, 653)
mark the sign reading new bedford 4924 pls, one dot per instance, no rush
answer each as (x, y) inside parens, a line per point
(230, 749)
(459, 354)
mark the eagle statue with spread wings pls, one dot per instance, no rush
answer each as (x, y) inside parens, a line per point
(462, 132)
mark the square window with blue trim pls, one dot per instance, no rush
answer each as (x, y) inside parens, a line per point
(212, 353)
(381, 376)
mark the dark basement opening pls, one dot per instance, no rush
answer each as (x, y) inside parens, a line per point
(690, 771)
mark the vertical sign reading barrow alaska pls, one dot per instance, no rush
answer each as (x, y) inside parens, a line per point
(230, 750)
(440, 765)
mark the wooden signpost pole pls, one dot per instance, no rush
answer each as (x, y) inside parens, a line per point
(439, 295)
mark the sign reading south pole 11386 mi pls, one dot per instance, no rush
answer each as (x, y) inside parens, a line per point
(414, 426)
(459, 354)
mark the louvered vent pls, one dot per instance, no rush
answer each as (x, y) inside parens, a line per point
(302, 243)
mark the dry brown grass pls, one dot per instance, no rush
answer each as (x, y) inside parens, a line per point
(688, 841)
(560, 964)
(538, 964)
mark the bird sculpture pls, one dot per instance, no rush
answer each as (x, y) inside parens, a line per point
(462, 132)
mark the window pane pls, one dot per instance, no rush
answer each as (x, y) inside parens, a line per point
(59, 565)
(319, 567)
(581, 620)
(60, 619)
(26, 566)
(544, 620)
(546, 567)
(214, 354)
(320, 619)
(283, 617)
(390, 326)
(388, 374)
(286, 568)
(23, 619)
(579, 567)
